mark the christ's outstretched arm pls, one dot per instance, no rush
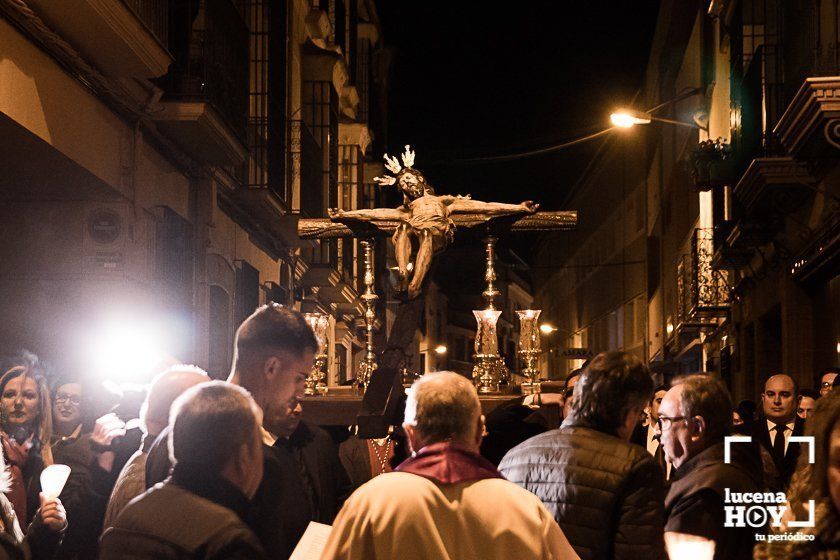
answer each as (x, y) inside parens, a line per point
(367, 215)
(465, 205)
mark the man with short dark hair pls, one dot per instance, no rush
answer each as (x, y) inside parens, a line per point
(215, 444)
(605, 492)
(569, 390)
(692, 422)
(651, 441)
(273, 354)
(771, 434)
(807, 400)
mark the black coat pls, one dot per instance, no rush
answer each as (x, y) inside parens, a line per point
(281, 508)
(180, 520)
(85, 496)
(695, 501)
(777, 470)
(325, 477)
(507, 426)
(605, 493)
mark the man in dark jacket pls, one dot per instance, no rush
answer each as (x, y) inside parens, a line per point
(197, 513)
(771, 434)
(323, 476)
(693, 420)
(605, 492)
(273, 354)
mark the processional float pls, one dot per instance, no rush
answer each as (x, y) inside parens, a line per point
(429, 221)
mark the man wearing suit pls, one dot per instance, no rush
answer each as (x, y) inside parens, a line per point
(771, 434)
(651, 439)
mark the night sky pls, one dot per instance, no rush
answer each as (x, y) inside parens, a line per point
(473, 79)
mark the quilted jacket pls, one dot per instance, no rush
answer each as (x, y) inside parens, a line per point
(606, 493)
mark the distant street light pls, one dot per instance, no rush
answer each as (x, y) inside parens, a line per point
(545, 328)
(440, 349)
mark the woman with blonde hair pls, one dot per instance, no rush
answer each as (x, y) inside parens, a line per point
(25, 431)
(819, 482)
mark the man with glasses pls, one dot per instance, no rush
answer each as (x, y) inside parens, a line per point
(825, 380)
(693, 420)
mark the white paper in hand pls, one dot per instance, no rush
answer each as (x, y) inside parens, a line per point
(311, 544)
(53, 479)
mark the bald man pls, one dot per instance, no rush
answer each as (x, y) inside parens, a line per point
(154, 416)
(772, 434)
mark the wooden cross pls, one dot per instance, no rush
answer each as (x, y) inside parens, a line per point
(384, 394)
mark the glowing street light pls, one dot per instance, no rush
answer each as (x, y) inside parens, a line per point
(626, 118)
(440, 349)
(545, 328)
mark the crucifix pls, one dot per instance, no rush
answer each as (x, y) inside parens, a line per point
(422, 227)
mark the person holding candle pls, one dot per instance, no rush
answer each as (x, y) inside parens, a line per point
(691, 423)
(26, 421)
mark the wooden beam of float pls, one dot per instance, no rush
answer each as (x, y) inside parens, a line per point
(324, 228)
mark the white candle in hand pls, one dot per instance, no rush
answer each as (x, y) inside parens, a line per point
(53, 479)
(681, 546)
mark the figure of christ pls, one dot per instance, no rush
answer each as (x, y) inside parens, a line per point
(425, 220)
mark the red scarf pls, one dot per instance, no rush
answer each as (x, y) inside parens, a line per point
(449, 463)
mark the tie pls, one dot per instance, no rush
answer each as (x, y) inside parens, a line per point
(779, 441)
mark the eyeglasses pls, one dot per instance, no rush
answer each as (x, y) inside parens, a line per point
(664, 422)
(62, 398)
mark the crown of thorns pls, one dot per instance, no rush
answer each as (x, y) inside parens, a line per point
(392, 164)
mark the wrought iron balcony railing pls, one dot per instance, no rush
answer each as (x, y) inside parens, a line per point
(703, 292)
(209, 41)
(154, 14)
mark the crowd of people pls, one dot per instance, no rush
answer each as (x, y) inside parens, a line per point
(601, 465)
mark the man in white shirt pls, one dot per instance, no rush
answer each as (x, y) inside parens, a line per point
(772, 433)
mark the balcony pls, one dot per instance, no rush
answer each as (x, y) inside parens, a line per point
(773, 187)
(329, 285)
(205, 105)
(128, 41)
(810, 127)
(702, 291)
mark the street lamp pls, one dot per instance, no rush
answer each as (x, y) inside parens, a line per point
(545, 328)
(440, 349)
(627, 118)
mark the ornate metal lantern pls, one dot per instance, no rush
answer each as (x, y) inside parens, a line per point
(316, 381)
(529, 348)
(486, 371)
